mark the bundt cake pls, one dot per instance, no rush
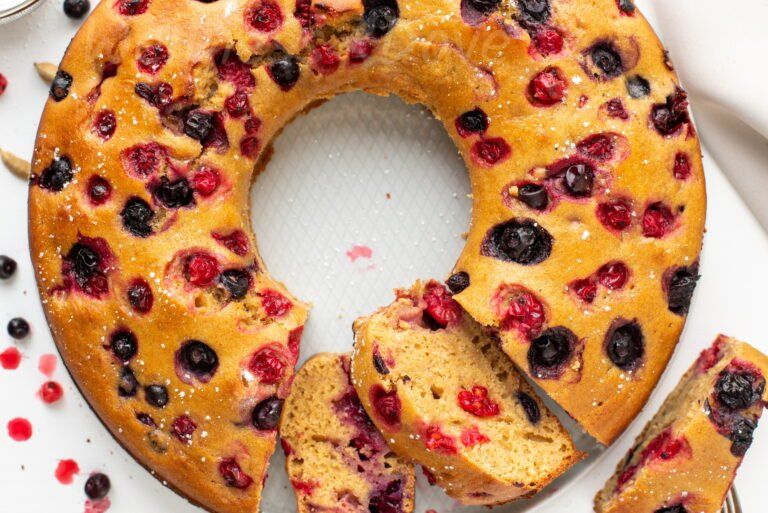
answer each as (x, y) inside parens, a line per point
(586, 227)
(335, 457)
(445, 396)
(686, 457)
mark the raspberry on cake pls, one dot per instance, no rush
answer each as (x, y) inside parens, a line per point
(581, 153)
(335, 457)
(446, 397)
(685, 459)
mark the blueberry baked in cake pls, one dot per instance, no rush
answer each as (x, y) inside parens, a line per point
(586, 226)
(445, 396)
(685, 459)
(335, 457)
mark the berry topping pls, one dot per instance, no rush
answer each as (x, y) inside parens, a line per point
(530, 406)
(518, 308)
(236, 282)
(198, 359)
(18, 328)
(236, 241)
(677, 508)
(127, 384)
(268, 364)
(613, 275)
(198, 124)
(232, 69)
(152, 58)
(205, 181)
(380, 16)
(578, 179)
(303, 13)
(360, 50)
(86, 264)
(615, 215)
(585, 289)
(173, 194)
(738, 390)
(627, 7)
(60, 85)
(274, 303)
(547, 41)
(57, 175)
(200, 269)
(547, 88)
(132, 7)
(325, 60)
(233, 475)
(481, 7)
(266, 414)
(624, 344)
(607, 59)
(522, 241)
(670, 116)
(388, 500)
(266, 17)
(549, 352)
(140, 296)
(183, 427)
(441, 308)
(658, 220)
(597, 146)
(379, 364)
(99, 190)
(250, 146)
(159, 95)
(105, 124)
(156, 395)
(679, 284)
(50, 392)
(284, 70)
(615, 109)
(143, 160)
(146, 419)
(477, 402)
(436, 440)
(533, 12)
(491, 151)
(7, 267)
(137, 216)
(741, 435)
(533, 195)
(665, 447)
(97, 486)
(472, 122)
(472, 436)
(123, 344)
(457, 282)
(237, 105)
(638, 87)
(386, 405)
(682, 166)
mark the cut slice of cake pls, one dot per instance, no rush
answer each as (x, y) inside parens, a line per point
(686, 457)
(447, 397)
(336, 459)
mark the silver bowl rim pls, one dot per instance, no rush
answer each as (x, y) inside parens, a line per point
(19, 10)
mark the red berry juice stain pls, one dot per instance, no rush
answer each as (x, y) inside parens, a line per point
(359, 251)
(99, 506)
(66, 470)
(20, 429)
(10, 359)
(47, 364)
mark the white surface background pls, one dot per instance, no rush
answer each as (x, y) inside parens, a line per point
(314, 204)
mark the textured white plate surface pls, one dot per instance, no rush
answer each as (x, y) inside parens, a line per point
(358, 171)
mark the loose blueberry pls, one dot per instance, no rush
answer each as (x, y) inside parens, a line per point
(156, 395)
(18, 328)
(60, 85)
(533, 195)
(680, 285)
(198, 358)
(530, 406)
(736, 390)
(579, 179)
(198, 124)
(533, 12)
(638, 87)
(472, 122)
(140, 296)
(549, 352)
(236, 281)
(266, 414)
(284, 70)
(607, 59)
(127, 384)
(7, 267)
(174, 194)
(625, 344)
(137, 216)
(124, 344)
(457, 282)
(522, 241)
(56, 176)
(741, 436)
(380, 16)
(97, 486)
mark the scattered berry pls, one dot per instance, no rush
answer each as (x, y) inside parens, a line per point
(97, 486)
(7, 267)
(50, 392)
(18, 328)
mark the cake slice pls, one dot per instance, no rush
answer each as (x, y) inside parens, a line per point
(336, 459)
(445, 396)
(686, 457)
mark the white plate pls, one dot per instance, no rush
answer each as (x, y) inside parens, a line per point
(372, 172)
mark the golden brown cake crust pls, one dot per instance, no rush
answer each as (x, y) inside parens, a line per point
(145, 81)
